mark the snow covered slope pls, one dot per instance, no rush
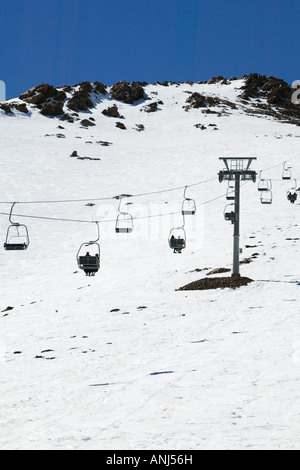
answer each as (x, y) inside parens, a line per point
(123, 360)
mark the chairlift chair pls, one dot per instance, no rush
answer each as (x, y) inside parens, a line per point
(90, 263)
(292, 196)
(124, 222)
(188, 205)
(292, 193)
(266, 197)
(229, 215)
(17, 237)
(286, 172)
(230, 195)
(264, 184)
(177, 239)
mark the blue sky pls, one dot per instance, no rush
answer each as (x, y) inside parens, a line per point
(63, 42)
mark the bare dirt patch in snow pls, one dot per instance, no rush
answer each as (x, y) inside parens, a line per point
(217, 283)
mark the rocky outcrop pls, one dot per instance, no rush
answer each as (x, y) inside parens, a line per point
(218, 79)
(53, 108)
(127, 92)
(39, 94)
(21, 107)
(99, 87)
(87, 123)
(47, 98)
(120, 125)
(9, 108)
(112, 111)
(67, 117)
(196, 100)
(139, 127)
(81, 100)
(50, 100)
(152, 107)
(6, 107)
(275, 90)
(277, 95)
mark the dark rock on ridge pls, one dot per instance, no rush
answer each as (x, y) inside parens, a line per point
(99, 87)
(278, 96)
(151, 107)
(81, 101)
(21, 107)
(196, 100)
(87, 123)
(112, 111)
(46, 97)
(9, 107)
(6, 108)
(39, 94)
(50, 100)
(275, 90)
(120, 125)
(127, 92)
(53, 108)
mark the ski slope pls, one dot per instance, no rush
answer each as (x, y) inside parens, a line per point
(123, 360)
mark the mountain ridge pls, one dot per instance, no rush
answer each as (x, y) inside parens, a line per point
(260, 94)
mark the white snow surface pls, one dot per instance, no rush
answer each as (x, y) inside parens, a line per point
(123, 360)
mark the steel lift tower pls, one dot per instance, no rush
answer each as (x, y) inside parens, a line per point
(236, 169)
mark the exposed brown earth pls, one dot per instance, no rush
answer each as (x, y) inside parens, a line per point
(217, 283)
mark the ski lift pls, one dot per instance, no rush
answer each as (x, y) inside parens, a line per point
(286, 173)
(124, 222)
(188, 205)
(229, 215)
(177, 238)
(292, 196)
(263, 184)
(292, 193)
(266, 197)
(90, 263)
(230, 194)
(17, 237)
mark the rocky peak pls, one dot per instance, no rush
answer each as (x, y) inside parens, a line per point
(127, 92)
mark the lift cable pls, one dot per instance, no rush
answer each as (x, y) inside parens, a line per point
(112, 220)
(279, 164)
(113, 197)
